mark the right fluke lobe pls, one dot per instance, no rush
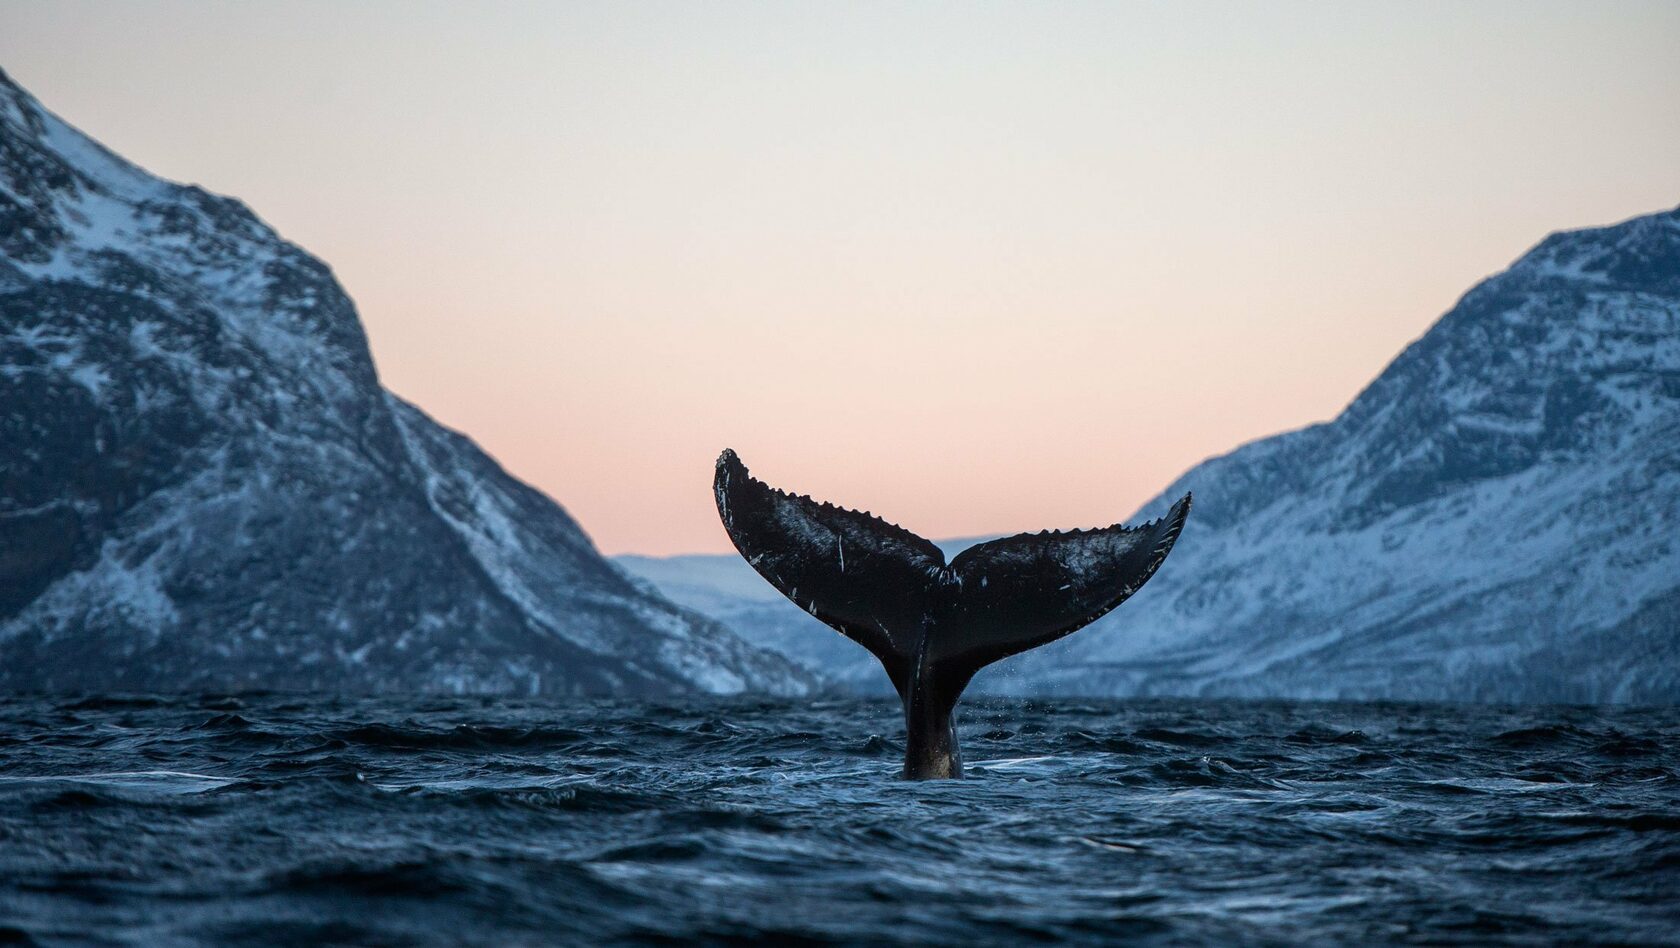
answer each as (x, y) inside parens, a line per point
(931, 624)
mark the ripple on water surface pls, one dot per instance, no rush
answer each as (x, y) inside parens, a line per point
(264, 819)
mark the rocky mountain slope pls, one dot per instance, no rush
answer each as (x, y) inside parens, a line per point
(1496, 517)
(204, 486)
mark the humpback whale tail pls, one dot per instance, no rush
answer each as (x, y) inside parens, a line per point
(934, 624)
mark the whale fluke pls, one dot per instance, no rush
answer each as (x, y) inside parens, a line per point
(931, 624)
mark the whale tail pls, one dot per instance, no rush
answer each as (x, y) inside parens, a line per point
(933, 624)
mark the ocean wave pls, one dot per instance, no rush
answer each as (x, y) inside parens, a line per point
(260, 819)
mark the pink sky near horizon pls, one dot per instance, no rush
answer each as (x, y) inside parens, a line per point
(978, 269)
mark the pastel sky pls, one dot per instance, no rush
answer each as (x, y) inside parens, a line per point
(976, 267)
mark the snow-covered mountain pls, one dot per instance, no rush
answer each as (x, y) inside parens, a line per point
(726, 589)
(1496, 517)
(203, 485)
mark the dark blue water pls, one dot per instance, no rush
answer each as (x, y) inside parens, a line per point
(262, 820)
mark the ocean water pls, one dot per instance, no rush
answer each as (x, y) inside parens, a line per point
(286, 820)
